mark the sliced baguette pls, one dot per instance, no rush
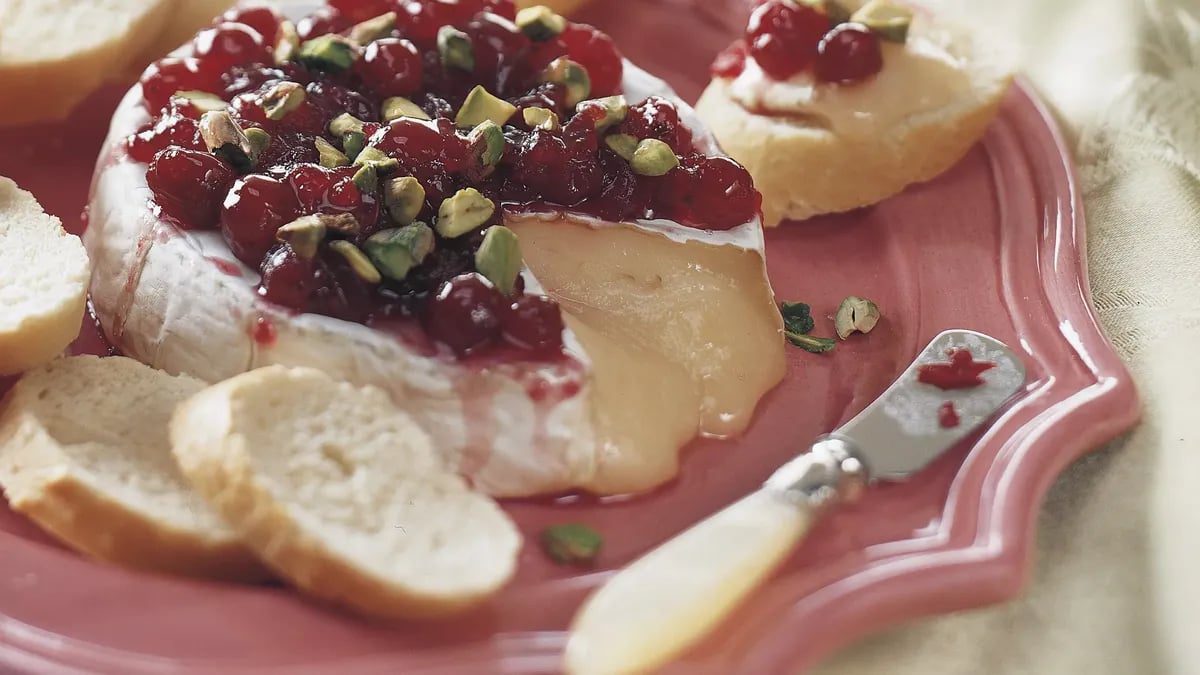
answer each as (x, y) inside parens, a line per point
(43, 282)
(53, 53)
(804, 170)
(343, 494)
(84, 454)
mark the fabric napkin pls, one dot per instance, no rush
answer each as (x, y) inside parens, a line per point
(1117, 582)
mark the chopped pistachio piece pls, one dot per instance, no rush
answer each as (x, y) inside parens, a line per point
(396, 251)
(653, 158)
(373, 29)
(202, 100)
(455, 49)
(541, 118)
(259, 142)
(282, 99)
(885, 18)
(371, 156)
(811, 343)
(481, 105)
(342, 223)
(397, 106)
(344, 124)
(287, 46)
(352, 143)
(225, 138)
(359, 263)
(486, 143)
(467, 210)
(622, 144)
(855, 314)
(331, 53)
(570, 75)
(571, 544)
(304, 235)
(366, 179)
(614, 108)
(404, 198)
(839, 11)
(499, 258)
(540, 23)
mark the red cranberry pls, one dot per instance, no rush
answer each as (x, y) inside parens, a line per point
(165, 131)
(361, 10)
(322, 22)
(189, 186)
(504, 8)
(498, 45)
(321, 190)
(533, 322)
(546, 166)
(731, 62)
(391, 67)
(259, 17)
(465, 314)
(334, 99)
(229, 44)
(714, 192)
(783, 37)
(254, 210)
(287, 279)
(657, 117)
(423, 18)
(288, 149)
(306, 117)
(849, 53)
(167, 76)
(623, 195)
(596, 52)
(428, 150)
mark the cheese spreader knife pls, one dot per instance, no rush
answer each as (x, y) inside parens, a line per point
(665, 602)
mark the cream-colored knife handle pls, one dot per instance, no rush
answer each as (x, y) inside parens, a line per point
(666, 601)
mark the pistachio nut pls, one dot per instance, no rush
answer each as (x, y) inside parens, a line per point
(373, 29)
(540, 23)
(352, 143)
(331, 157)
(486, 144)
(613, 110)
(366, 179)
(481, 105)
(855, 314)
(372, 156)
(570, 75)
(887, 19)
(304, 235)
(397, 250)
(259, 142)
(838, 11)
(467, 210)
(202, 100)
(541, 118)
(225, 138)
(622, 144)
(499, 258)
(344, 124)
(404, 198)
(282, 99)
(455, 49)
(653, 158)
(331, 53)
(397, 106)
(287, 45)
(344, 224)
(359, 263)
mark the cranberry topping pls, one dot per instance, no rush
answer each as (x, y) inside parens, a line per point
(783, 37)
(849, 53)
(189, 186)
(962, 372)
(443, 297)
(731, 62)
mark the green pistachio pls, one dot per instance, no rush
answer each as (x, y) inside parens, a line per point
(653, 158)
(202, 100)
(371, 156)
(486, 144)
(352, 143)
(344, 124)
(571, 544)
(888, 20)
(282, 99)
(225, 139)
(480, 105)
(838, 11)
(572, 76)
(622, 144)
(855, 314)
(304, 235)
(359, 263)
(540, 23)
(614, 109)
(396, 251)
(331, 53)
(455, 49)
(404, 198)
(541, 118)
(467, 210)
(397, 106)
(287, 46)
(259, 142)
(373, 29)
(366, 179)
(499, 258)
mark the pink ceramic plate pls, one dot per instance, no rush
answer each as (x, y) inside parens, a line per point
(995, 245)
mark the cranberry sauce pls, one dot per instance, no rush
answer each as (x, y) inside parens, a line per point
(786, 38)
(362, 159)
(961, 372)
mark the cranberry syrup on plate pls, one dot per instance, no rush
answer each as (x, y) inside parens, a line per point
(360, 158)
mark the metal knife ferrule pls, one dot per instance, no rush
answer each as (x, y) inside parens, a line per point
(831, 472)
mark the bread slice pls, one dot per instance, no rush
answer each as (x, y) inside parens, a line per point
(804, 168)
(53, 53)
(43, 282)
(84, 454)
(342, 494)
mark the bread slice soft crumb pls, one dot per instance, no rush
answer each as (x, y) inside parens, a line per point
(84, 453)
(342, 494)
(43, 282)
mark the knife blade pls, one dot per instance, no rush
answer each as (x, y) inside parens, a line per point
(668, 600)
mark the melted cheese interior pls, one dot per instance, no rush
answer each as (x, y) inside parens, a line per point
(684, 337)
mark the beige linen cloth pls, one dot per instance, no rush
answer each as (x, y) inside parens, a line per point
(1116, 587)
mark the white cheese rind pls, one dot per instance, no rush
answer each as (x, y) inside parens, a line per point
(163, 300)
